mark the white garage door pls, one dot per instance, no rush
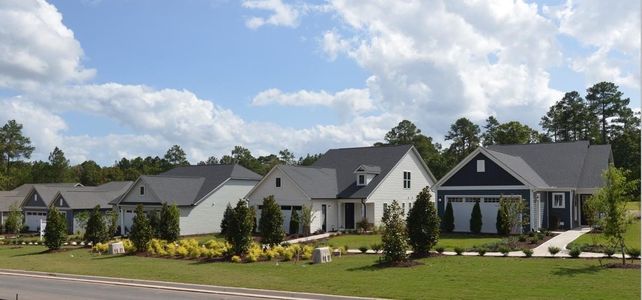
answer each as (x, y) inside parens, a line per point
(463, 207)
(32, 219)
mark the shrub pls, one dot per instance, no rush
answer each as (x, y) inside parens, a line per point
(440, 249)
(476, 219)
(553, 250)
(195, 252)
(376, 247)
(141, 232)
(129, 246)
(459, 250)
(96, 231)
(14, 222)
(531, 234)
(181, 251)
(239, 228)
(236, 259)
(394, 237)
(100, 248)
(528, 252)
(364, 225)
(481, 251)
(169, 226)
(227, 217)
(271, 224)
(170, 249)
(448, 222)
(540, 236)
(504, 250)
(575, 252)
(156, 247)
(633, 252)
(294, 222)
(423, 224)
(56, 230)
(609, 251)
(522, 238)
(216, 248)
(363, 249)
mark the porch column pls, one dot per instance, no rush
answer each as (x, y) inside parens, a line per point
(122, 221)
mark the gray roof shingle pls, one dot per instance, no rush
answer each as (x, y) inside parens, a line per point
(315, 182)
(567, 165)
(89, 196)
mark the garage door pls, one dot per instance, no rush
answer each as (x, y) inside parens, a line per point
(463, 208)
(32, 219)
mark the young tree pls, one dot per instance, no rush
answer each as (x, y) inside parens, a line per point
(611, 202)
(394, 237)
(170, 227)
(14, 221)
(155, 223)
(500, 221)
(81, 220)
(476, 219)
(56, 229)
(141, 232)
(239, 228)
(271, 223)
(512, 212)
(448, 222)
(227, 217)
(96, 231)
(423, 224)
(112, 222)
(294, 222)
(307, 217)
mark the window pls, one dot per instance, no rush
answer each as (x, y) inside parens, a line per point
(558, 200)
(385, 206)
(278, 182)
(455, 199)
(361, 179)
(491, 200)
(142, 190)
(35, 197)
(472, 199)
(481, 166)
(60, 201)
(406, 179)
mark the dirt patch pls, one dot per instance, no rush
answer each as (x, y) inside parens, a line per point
(401, 264)
(621, 266)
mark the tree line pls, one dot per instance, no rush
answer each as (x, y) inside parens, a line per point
(602, 116)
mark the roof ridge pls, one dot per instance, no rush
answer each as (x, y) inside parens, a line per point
(373, 147)
(172, 176)
(545, 143)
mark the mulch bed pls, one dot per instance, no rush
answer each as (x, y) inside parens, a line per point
(621, 266)
(402, 264)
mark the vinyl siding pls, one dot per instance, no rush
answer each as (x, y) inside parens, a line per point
(493, 175)
(287, 194)
(391, 188)
(134, 196)
(206, 217)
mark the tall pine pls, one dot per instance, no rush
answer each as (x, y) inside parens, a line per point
(448, 222)
(476, 219)
(423, 224)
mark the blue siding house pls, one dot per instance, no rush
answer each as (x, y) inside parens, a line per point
(553, 179)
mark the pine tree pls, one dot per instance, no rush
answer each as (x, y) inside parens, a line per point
(239, 228)
(271, 223)
(448, 222)
(56, 230)
(141, 232)
(170, 228)
(96, 231)
(227, 217)
(423, 224)
(502, 223)
(476, 219)
(154, 223)
(294, 222)
(394, 237)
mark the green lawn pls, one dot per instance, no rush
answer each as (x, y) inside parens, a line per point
(631, 239)
(448, 241)
(634, 205)
(440, 277)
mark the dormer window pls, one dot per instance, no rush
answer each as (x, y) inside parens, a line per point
(361, 179)
(366, 173)
(142, 190)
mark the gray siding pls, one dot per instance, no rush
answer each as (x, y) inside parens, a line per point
(563, 214)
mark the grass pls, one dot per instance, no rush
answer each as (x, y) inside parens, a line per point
(631, 239)
(439, 277)
(448, 241)
(633, 205)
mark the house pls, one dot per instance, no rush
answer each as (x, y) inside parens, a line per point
(553, 179)
(35, 204)
(76, 200)
(13, 197)
(200, 192)
(346, 185)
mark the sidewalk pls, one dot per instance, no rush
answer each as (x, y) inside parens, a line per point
(561, 240)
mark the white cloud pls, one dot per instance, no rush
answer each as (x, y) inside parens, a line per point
(613, 29)
(281, 14)
(36, 47)
(345, 102)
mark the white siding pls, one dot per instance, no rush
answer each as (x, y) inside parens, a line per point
(206, 217)
(287, 194)
(332, 214)
(391, 188)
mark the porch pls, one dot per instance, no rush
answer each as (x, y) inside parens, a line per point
(352, 211)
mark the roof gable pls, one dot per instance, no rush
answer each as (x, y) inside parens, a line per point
(494, 174)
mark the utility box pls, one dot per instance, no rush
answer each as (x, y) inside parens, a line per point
(321, 255)
(116, 248)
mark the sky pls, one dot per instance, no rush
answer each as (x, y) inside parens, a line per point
(109, 79)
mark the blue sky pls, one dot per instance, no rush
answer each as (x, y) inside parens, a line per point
(106, 79)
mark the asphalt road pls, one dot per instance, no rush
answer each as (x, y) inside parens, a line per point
(45, 289)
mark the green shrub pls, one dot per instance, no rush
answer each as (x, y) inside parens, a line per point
(481, 251)
(540, 236)
(129, 246)
(575, 252)
(56, 230)
(141, 231)
(423, 224)
(609, 251)
(440, 249)
(476, 219)
(448, 222)
(633, 252)
(181, 251)
(100, 248)
(294, 222)
(271, 224)
(504, 250)
(394, 237)
(169, 225)
(531, 234)
(528, 252)
(459, 250)
(553, 250)
(96, 229)
(363, 249)
(364, 226)
(522, 238)
(376, 247)
(236, 259)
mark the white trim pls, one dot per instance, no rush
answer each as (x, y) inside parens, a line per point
(482, 187)
(563, 200)
(418, 156)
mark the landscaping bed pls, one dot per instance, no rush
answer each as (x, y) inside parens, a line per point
(595, 241)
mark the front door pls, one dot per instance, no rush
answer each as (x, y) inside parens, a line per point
(349, 215)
